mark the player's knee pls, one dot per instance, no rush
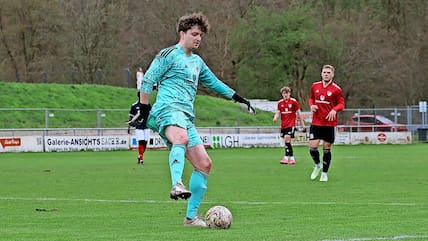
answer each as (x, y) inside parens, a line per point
(142, 142)
(205, 165)
(208, 165)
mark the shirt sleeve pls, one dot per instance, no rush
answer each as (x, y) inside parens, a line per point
(157, 69)
(209, 80)
(340, 101)
(311, 97)
(296, 105)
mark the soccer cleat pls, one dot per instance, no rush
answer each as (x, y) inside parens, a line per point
(195, 222)
(140, 160)
(284, 161)
(324, 178)
(292, 162)
(179, 191)
(315, 172)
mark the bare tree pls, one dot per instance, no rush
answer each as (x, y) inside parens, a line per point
(93, 37)
(27, 30)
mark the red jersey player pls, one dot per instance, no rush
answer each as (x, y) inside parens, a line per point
(287, 109)
(326, 100)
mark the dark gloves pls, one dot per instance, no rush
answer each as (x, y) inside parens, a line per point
(240, 99)
(145, 110)
(142, 114)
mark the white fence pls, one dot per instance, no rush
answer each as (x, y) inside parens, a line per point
(53, 140)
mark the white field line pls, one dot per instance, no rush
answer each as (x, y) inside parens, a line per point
(231, 202)
(401, 237)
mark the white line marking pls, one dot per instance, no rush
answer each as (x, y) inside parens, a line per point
(401, 237)
(232, 202)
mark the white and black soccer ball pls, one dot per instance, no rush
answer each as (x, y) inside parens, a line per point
(218, 217)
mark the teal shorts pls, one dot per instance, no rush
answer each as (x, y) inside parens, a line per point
(162, 120)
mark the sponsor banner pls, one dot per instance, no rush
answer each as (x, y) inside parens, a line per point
(342, 138)
(380, 138)
(245, 140)
(21, 144)
(84, 143)
(300, 138)
(155, 142)
(230, 140)
(123, 142)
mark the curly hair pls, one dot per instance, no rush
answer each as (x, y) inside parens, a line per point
(188, 21)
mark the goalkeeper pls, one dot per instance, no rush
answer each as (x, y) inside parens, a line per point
(178, 70)
(142, 133)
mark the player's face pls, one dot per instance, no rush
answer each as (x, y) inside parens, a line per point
(285, 95)
(192, 38)
(327, 74)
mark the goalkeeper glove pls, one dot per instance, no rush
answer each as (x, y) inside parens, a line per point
(143, 113)
(145, 110)
(242, 100)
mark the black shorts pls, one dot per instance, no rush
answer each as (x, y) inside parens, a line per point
(325, 133)
(288, 131)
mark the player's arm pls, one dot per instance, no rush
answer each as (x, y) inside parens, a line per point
(236, 97)
(133, 115)
(209, 80)
(312, 104)
(340, 102)
(129, 126)
(302, 122)
(275, 117)
(340, 105)
(159, 66)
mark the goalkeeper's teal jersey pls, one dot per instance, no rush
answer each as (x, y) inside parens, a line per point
(177, 76)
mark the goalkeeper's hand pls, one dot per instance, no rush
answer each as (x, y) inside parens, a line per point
(143, 113)
(242, 100)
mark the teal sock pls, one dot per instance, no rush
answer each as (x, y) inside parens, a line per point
(176, 162)
(198, 187)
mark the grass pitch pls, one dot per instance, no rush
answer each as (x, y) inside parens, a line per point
(374, 192)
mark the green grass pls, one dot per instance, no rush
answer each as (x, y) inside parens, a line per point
(374, 191)
(64, 101)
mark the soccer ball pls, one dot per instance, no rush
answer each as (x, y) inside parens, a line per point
(218, 217)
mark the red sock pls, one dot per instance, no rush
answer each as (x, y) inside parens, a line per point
(141, 150)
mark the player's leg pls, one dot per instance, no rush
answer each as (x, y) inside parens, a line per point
(326, 160)
(328, 140)
(284, 160)
(142, 144)
(177, 138)
(201, 162)
(139, 135)
(314, 142)
(289, 146)
(141, 149)
(171, 126)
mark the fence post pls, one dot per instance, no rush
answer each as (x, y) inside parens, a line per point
(73, 75)
(409, 116)
(98, 118)
(100, 77)
(238, 118)
(46, 118)
(45, 76)
(128, 77)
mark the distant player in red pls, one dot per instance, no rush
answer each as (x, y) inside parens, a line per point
(326, 100)
(287, 109)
